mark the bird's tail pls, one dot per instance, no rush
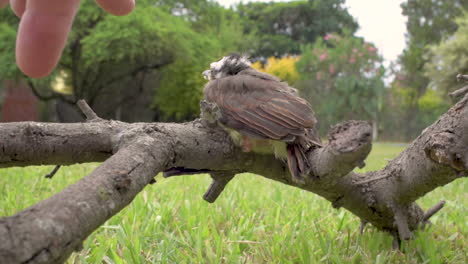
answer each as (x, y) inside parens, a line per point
(298, 162)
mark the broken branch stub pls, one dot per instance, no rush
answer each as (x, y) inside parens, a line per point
(443, 148)
(349, 144)
(433, 210)
(220, 180)
(87, 111)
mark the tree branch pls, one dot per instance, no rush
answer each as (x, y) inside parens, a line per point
(51, 230)
(462, 77)
(31, 143)
(383, 198)
(459, 92)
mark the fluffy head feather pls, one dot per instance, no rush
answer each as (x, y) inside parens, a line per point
(227, 66)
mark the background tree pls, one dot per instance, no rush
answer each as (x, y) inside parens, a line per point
(159, 51)
(214, 31)
(283, 27)
(449, 58)
(429, 21)
(102, 52)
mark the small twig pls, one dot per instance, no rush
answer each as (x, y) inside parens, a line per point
(152, 181)
(178, 171)
(462, 77)
(220, 180)
(401, 223)
(362, 226)
(87, 111)
(361, 164)
(52, 173)
(433, 210)
(396, 243)
(459, 92)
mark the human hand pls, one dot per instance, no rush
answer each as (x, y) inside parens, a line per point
(44, 28)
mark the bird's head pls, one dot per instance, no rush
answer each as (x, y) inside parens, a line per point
(227, 66)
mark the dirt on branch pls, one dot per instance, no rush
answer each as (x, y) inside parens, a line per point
(134, 153)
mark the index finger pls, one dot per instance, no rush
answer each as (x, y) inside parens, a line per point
(42, 35)
(117, 7)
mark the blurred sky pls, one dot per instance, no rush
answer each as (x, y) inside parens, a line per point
(380, 21)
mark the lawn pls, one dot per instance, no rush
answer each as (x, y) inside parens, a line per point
(254, 221)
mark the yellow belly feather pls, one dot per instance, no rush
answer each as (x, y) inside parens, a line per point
(262, 146)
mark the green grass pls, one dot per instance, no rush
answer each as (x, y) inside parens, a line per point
(254, 221)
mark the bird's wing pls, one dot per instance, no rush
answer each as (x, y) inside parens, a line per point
(260, 108)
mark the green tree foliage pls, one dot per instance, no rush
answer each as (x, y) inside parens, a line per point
(429, 21)
(8, 25)
(342, 76)
(214, 31)
(283, 27)
(162, 44)
(399, 107)
(431, 105)
(165, 45)
(449, 58)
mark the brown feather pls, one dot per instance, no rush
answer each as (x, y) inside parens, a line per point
(264, 106)
(258, 105)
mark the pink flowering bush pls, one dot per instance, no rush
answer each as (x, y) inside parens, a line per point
(333, 55)
(342, 76)
(323, 56)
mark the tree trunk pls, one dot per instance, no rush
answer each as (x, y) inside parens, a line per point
(134, 153)
(375, 129)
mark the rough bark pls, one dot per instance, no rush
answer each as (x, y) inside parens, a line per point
(134, 153)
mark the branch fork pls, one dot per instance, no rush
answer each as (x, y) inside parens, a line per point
(132, 154)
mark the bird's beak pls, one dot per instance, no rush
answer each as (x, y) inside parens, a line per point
(207, 74)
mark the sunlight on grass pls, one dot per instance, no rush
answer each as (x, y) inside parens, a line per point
(254, 221)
